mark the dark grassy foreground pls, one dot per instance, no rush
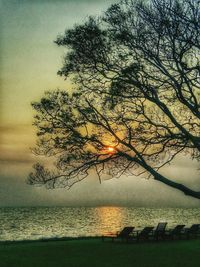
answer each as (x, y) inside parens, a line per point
(95, 253)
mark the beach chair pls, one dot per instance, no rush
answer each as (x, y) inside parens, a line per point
(192, 232)
(123, 235)
(175, 232)
(143, 235)
(159, 232)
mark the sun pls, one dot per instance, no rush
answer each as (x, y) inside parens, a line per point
(110, 149)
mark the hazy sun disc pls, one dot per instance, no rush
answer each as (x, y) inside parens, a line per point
(110, 149)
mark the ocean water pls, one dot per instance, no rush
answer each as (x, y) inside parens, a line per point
(33, 223)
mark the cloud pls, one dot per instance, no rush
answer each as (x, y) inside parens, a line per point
(16, 164)
(16, 141)
(126, 191)
(16, 160)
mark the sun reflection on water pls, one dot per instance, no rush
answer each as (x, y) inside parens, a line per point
(110, 218)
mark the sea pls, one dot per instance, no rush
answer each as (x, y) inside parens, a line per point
(34, 223)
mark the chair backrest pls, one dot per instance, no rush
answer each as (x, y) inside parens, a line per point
(177, 229)
(126, 231)
(146, 231)
(194, 228)
(161, 227)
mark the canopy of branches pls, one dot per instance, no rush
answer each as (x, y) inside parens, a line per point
(135, 104)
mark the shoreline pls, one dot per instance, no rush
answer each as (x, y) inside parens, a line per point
(67, 238)
(91, 238)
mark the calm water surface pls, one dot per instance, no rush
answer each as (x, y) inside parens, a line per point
(48, 222)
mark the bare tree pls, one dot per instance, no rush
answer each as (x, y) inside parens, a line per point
(135, 103)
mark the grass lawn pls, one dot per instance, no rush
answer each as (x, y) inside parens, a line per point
(95, 253)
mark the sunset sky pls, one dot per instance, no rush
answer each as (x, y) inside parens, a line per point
(28, 66)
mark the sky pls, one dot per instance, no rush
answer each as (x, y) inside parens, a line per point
(29, 61)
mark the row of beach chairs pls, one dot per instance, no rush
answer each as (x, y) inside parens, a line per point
(129, 234)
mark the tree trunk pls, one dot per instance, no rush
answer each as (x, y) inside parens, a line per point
(158, 177)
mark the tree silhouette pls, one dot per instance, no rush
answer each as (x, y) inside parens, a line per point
(135, 102)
